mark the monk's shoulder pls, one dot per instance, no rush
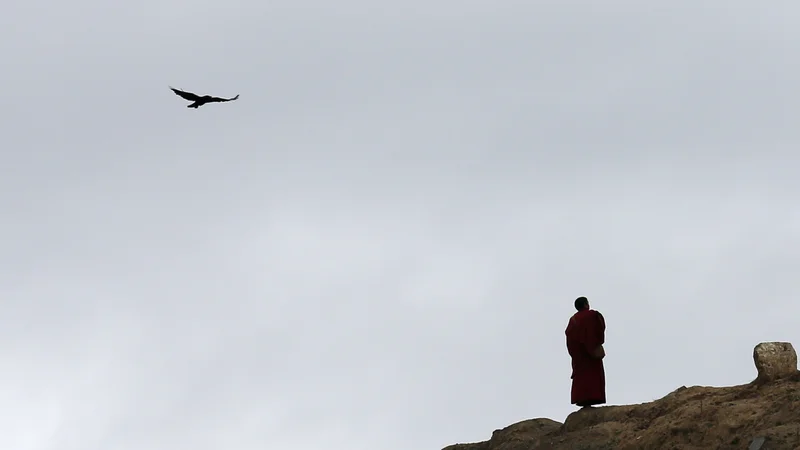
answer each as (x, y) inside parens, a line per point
(574, 321)
(598, 316)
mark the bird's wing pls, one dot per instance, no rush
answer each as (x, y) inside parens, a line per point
(187, 95)
(220, 99)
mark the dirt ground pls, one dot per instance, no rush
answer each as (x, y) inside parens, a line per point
(694, 418)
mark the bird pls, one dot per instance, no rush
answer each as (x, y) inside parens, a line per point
(199, 101)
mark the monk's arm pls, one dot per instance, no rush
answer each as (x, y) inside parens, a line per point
(594, 337)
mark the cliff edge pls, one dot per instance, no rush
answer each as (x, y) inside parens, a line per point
(761, 415)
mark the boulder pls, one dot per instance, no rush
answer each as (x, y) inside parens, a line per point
(525, 435)
(774, 360)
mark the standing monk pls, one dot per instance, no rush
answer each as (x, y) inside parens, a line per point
(585, 338)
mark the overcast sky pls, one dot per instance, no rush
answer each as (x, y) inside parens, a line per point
(378, 245)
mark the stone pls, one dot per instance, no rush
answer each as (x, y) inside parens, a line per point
(774, 360)
(757, 443)
(523, 435)
(519, 436)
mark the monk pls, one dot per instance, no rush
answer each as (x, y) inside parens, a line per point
(585, 338)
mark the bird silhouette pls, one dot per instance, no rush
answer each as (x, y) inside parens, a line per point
(198, 100)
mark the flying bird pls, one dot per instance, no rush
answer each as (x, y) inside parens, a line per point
(200, 100)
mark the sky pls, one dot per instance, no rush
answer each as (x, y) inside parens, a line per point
(378, 245)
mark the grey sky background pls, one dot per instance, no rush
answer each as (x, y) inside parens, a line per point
(379, 243)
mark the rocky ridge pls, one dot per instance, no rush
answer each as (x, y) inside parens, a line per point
(761, 415)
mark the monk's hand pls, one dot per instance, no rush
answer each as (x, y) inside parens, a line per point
(599, 352)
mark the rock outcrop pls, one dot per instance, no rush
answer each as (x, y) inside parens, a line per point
(763, 414)
(774, 360)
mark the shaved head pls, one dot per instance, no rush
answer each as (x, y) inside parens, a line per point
(581, 303)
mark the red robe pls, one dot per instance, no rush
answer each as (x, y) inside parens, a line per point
(585, 332)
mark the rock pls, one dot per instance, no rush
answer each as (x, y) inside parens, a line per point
(523, 435)
(478, 446)
(586, 418)
(774, 360)
(757, 443)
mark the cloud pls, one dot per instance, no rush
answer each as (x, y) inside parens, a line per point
(379, 243)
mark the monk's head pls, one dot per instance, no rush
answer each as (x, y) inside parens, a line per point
(581, 303)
